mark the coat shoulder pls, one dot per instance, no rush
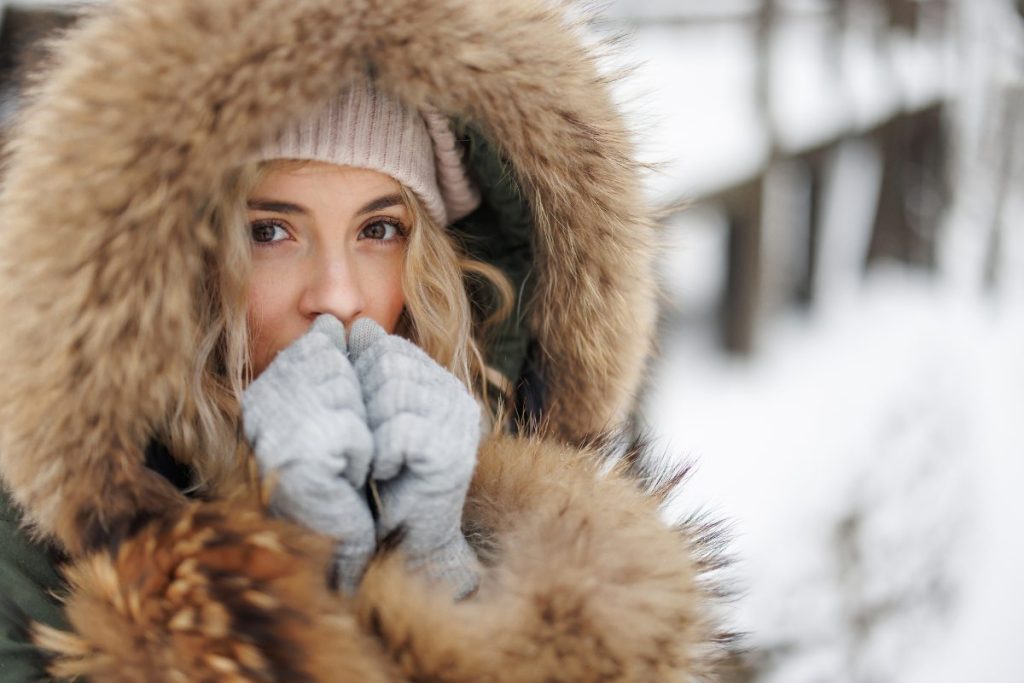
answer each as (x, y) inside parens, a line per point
(30, 590)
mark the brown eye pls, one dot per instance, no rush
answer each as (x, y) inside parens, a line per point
(383, 230)
(267, 232)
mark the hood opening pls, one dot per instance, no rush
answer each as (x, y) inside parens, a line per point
(146, 105)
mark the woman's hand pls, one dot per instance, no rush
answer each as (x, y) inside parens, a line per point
(426, 428)
(305, 420)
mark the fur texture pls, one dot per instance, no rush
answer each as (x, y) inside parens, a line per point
(222, 594)
(582, 582)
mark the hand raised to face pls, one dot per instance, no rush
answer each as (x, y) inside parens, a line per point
(426, 429)
(305, 420)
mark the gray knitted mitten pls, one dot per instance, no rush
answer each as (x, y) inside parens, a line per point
(426, 427)
(305, 420)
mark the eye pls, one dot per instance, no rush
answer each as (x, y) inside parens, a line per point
(382, 229)
(267, 232)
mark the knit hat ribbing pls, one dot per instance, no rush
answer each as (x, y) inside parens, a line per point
(365, 128)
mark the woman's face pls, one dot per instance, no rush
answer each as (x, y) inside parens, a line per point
(325, 239)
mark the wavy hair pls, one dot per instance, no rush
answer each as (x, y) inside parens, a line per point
(438, 316)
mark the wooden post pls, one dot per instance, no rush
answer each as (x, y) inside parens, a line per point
(743, 274)
(740, 302)
(914, 189)
(816, 178)
(1009, 167)
(904, 14)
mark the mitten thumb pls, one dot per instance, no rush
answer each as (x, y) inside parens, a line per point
(332, 328)
(362, 335)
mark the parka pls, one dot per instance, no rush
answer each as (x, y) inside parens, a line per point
(113, 569)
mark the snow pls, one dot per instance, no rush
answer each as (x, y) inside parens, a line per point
(894, 419)
(870, 454)
(662, 10)
(679, 71)
(701, 75)
(808, 101)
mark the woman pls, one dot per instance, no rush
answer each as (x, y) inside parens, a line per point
(123, 266)
(346, 213)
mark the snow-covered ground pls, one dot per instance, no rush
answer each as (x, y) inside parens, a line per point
(870, 459)
(870, 454)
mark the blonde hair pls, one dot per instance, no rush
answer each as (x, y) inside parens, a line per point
(438, 317)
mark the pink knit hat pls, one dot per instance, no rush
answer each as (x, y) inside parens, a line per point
(366, 128)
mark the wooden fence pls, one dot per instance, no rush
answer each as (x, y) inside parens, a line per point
(910, 138)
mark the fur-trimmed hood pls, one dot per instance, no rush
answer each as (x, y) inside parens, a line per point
(146, 109)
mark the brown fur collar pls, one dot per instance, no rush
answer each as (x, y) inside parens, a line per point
(147, 107)
(581, 582)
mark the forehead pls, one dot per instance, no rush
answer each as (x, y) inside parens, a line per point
(319, 183)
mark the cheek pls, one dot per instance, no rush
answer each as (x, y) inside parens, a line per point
(269, 312)
(385, 295)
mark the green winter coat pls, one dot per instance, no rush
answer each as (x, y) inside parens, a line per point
(31, 585)
(29, 588)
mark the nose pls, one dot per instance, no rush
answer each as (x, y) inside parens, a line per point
(333, 287)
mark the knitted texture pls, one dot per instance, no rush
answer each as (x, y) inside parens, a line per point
(461, 196)
(365, 128)
(305, 420)
(426, 429)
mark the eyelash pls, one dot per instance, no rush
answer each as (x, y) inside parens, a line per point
(400, 229)
(266, 223)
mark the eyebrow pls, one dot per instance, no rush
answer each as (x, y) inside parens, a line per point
(276, 207)
(385, 202)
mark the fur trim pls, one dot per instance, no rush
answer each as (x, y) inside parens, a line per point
(583, 582)
(150, 104)
(223, 594)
